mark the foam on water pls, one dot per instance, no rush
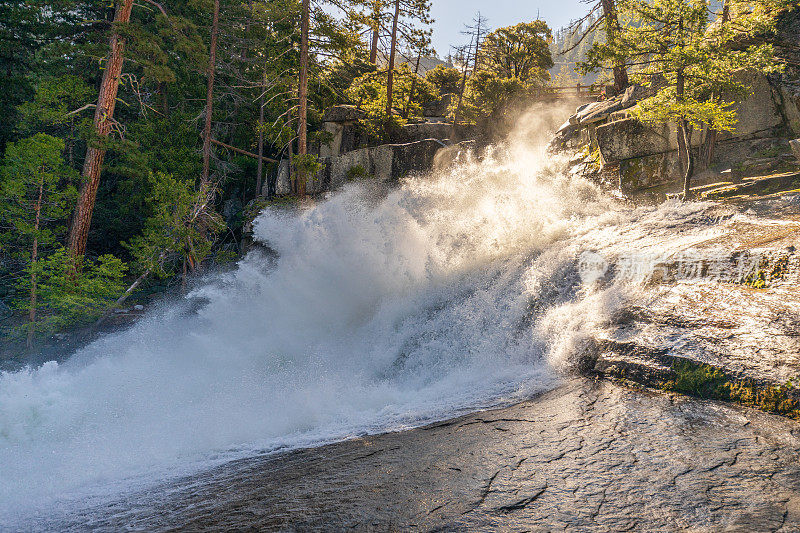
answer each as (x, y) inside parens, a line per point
(454, 291)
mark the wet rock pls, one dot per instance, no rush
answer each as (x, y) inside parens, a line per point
(588, 456)
(386, 162)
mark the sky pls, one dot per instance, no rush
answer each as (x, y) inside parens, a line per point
(451, 15)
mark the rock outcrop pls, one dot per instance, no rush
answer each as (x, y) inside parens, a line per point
(386, 162)
(645, 158)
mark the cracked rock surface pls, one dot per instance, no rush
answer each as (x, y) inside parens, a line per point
(588, 456)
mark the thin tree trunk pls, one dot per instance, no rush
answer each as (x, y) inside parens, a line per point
(34, 257)
(457, 116)
(162, 93)
(373, 47)
(376, 32)
(212, 60)
(290, 156)
(461, 89)
(621, 80)
(392, 51)
(413, 86)
(302, 139)
(96, 151)
(71, 144)
(183, 278)
(710, 142)
(260, 169)
(684, 137)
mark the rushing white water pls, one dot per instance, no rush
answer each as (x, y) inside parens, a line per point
(454, 291)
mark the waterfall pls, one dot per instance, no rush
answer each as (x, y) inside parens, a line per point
(382, 310)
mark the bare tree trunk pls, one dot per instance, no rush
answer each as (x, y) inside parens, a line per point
(710, 142)
(685, 141)
(392, 51)
(709, 148)
(413, 86)
(376, 32)
(290, 156)
(478, 28)
(621, 80)
(96, 151)
(685, 138)
(212, 60)
(461, 89)
(373, 47)
(302, 138)
(34, 257)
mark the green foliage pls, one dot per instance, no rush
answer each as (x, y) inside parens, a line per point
(183, 227)
(519, 52)
(707, 381)
(411, 92)
(446, 80)
(513, 67)
(55, 101)
(489, 96)
(570, 46)
(67, 298)
(34, 167)
(356, 173)
(689, 57)
(307, 164)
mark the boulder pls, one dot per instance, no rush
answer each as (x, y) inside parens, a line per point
(437, 108)
(343, 113)
(795, 144)
(630, 138)
(634, 94)
(386, 162)
(642, 173)
(790, 103)
(758, 114)
(427, 130)
(283, 184)
(599, 111)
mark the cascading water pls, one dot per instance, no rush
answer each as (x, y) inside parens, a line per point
(454, 291)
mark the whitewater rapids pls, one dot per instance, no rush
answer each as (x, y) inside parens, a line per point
(454, 291)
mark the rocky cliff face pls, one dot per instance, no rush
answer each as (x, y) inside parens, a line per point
(640, 159)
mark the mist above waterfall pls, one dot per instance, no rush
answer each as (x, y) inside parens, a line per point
(453, 291)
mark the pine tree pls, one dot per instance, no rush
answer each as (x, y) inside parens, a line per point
(691, 62)
(34, 203)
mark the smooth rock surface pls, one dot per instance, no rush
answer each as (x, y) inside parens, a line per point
(589, 456)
